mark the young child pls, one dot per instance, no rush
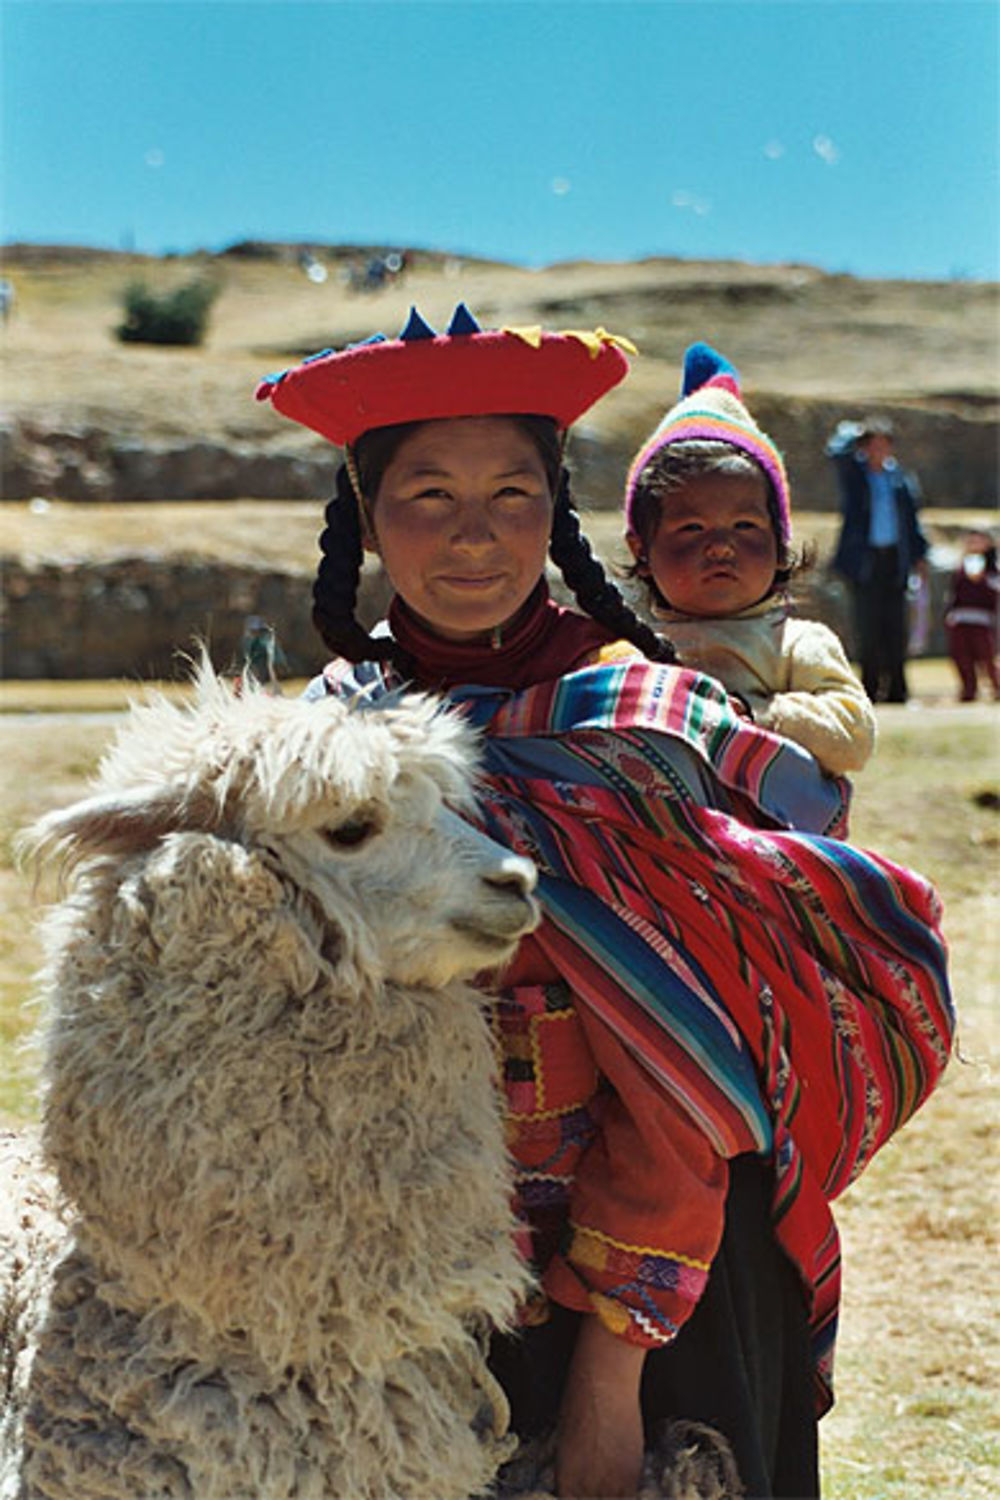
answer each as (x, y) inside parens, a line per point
(707, 521)
(973, 615)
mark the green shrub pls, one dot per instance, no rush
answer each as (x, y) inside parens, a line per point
(177, 317)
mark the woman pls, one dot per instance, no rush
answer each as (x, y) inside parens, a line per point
(718, 1021)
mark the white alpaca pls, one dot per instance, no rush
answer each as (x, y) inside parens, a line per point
(271, 1106)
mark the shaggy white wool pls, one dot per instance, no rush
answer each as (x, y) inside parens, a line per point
(32, 1233)
(271, 1102)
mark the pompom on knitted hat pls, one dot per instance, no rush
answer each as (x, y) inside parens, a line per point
(711, 409)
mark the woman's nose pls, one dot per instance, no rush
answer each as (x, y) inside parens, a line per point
(473, 527)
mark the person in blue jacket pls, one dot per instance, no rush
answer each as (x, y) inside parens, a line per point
(880, 545)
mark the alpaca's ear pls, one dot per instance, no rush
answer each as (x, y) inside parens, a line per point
(118, 822)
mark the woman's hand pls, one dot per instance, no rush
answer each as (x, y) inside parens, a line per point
(600, 1440)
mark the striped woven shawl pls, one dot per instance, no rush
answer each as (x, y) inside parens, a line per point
(788, 990)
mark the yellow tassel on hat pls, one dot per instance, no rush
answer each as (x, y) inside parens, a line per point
(532, 334)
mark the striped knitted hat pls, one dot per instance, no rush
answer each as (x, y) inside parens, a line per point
(711, 409)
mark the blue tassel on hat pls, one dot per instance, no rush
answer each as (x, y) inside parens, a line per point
(416, 328)
(462, 322)
(702, 364)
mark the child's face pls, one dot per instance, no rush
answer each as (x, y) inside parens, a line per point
(714, 551)
(976, 541)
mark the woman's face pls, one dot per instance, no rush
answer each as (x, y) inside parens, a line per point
(462, 519)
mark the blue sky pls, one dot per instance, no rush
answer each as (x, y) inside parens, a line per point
(860, 137)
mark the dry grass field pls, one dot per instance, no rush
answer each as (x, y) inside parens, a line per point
(918, 1368)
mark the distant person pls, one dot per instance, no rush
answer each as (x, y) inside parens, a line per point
(262, 656)
(313, 268)
(972, 616)
(376, 272)
(707, 513)
(880, 546)
(6, 299)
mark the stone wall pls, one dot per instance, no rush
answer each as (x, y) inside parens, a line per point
(131, 617)
(955, 455)
(136, 617)
(90, 464)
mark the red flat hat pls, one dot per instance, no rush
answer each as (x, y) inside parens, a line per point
(466, 372)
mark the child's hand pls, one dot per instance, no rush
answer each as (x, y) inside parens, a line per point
(741, 706)
(600, 1446)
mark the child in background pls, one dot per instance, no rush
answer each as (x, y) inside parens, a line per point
(263, 658)
(707, 521)
(973, 614)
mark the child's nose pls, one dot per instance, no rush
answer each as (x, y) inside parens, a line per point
(720, 542)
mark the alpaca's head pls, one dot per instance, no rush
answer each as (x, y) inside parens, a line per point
(358, 808)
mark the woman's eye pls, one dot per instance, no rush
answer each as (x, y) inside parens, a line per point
(352, 833)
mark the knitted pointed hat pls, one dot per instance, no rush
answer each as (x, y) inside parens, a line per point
(711, 409)
(465, 372)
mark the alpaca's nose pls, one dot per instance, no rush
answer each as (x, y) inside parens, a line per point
(514, 877)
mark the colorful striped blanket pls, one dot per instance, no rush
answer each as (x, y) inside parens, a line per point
(788, 990)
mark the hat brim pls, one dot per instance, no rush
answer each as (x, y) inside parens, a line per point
(493, 373)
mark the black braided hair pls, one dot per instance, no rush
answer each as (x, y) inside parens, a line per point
(335, 590)
(596, 595)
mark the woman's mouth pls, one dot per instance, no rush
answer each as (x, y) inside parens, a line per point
(472, 583)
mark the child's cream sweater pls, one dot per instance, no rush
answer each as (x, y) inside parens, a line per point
(793, 675)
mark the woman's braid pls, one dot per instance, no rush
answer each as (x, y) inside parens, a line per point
(335, 590)
(596, 595)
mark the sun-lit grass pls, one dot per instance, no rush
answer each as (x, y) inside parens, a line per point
(918, 1369)
(44, 766)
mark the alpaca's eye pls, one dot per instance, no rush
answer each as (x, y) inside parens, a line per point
(351, 833)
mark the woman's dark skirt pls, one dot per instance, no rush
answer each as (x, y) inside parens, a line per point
(741, 1363)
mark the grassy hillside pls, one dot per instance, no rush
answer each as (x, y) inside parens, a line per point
(793, 330)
